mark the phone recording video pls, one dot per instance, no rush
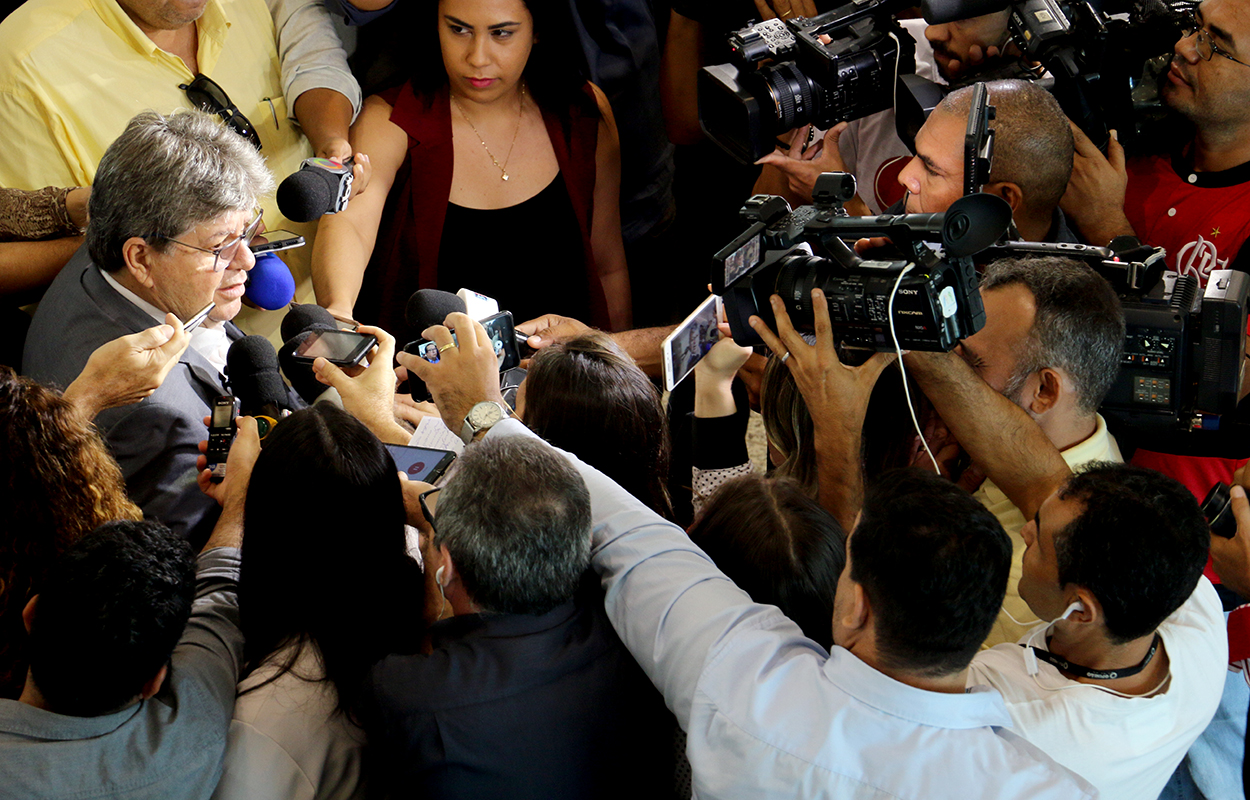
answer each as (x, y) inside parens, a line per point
(690, 342)
(421, 463)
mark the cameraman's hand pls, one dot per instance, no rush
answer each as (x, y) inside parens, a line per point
(465, 375)
(551, 328)
(786, 9)
(244, 451)
(836, 395)
(369, 396)
(1231, 557)
(129, 368)
(802, 168)
(1094, 200)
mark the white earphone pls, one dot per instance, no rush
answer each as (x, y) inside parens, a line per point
(438, 577)
(1071, 609)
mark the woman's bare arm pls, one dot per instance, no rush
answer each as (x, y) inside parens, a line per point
(605, 230)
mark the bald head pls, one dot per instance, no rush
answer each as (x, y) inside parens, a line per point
(1033, 142)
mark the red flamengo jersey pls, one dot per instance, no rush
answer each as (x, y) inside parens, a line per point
(1202, 219)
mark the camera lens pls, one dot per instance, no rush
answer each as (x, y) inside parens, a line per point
(1218, 509)
(797, 100)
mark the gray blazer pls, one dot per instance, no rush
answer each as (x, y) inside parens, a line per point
(156, 440)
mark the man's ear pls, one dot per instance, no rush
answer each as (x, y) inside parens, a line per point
(856, 613)
(1091, 613)
(1050, 383)
(154, 683)
(137, 254)
(28, 613)
(448, 565)
(1008, 191)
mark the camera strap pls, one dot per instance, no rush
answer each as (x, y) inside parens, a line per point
(1095, 674)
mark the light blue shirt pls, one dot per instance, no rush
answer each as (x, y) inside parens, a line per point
(770, 714)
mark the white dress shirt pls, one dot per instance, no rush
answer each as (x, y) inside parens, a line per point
(770, 714)
(209, 338)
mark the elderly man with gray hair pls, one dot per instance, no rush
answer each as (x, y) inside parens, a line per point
(173, 210)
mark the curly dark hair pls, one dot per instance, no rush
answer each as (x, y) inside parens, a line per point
(57, 483)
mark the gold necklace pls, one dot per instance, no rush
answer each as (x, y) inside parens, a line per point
(503, 168)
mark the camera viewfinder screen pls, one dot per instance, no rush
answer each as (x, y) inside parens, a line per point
(742, 260)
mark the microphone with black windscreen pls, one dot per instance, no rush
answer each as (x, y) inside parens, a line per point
(940, 12)
(255, 379)
(303, 316)
(321, 186)
(427, 307)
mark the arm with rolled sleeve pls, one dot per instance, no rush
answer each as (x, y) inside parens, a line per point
(668, 602)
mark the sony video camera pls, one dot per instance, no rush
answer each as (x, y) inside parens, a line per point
(783, 77)
(1184, 348)
(927, 302)
(1106, 59)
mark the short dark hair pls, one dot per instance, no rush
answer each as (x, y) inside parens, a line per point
(1079, 325)
(778, 545)
(111, 611)
(1033, 143)
(587, 396)
(325, 500)
(515, 518)
(1139, 546)
(934, 564)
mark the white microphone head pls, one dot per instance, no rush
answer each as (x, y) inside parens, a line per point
(477, 305)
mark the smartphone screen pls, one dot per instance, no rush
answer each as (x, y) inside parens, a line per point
(338, 347)
(690, 342)
(421, 463)
(502, 334)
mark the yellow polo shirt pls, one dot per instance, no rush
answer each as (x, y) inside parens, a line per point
(74, 72)
(1100, 446)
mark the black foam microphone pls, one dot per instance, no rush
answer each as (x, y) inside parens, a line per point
(940, 12)
(300, 374)
(429, 307)
(301, 317)
(319, 187)
(252, 367)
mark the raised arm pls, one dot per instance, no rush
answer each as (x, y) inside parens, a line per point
(345, 240)
(605, 234)
(1009, 447)
(837, 399)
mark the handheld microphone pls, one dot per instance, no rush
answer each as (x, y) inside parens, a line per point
(321, 186)
(270, 284)
(252, 367)
(429, 307)
(303, 316)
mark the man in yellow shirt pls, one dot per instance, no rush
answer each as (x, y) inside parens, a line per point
(73, 73)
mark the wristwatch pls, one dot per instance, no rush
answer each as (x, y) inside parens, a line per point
(480, 418)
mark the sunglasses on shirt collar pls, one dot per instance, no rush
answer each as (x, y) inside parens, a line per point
(208, 96)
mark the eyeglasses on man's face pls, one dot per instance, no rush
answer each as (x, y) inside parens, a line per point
(1205, 45)
(224, 253)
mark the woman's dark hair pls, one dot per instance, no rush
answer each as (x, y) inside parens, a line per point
(778, 545)
(57, 483)
(554, 75)
(588, 396)
(325, 558)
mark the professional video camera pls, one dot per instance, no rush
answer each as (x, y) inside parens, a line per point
(927, 302)
(746, 104)
(1106, 59)
(1184, 349)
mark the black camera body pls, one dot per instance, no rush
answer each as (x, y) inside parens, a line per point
(1184, 348)
(929, 302)
(1106, 58)
(744, 105)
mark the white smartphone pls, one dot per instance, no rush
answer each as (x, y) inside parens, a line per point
(690, 341)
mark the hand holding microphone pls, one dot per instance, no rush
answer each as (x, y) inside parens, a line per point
(322, 186)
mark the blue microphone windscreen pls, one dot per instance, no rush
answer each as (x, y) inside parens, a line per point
(270, 284)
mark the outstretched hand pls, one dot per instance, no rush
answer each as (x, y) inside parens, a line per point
(549, 329)
(369, 395)
(835, 393)
(1094, 200)
(803, 166)
(467, 371)
(129, 368)
(244, 451)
